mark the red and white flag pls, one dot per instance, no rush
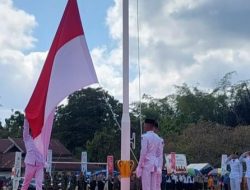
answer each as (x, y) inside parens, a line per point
(68, 67)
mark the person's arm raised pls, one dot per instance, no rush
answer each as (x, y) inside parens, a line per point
(228, 159)
(26, 128)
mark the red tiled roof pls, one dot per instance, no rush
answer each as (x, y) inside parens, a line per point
(4, 144)
(75, 167)
(20, 143)
(7, 161)
(60, 153)
(58, 149)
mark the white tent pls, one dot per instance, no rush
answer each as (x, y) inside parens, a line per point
(204, 168)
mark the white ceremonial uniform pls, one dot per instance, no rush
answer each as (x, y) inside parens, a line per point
(160, 164)
(185, 179)
(247, 175)
(148, 162)
(175, 178)
(235, 174)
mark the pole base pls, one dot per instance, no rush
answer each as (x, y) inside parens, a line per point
(125, 167)
(125, 183)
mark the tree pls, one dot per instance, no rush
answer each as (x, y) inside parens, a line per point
(207, 141)
(86, 112)
(105, 142)
(3, 131)
(241, 103)
(14, 125)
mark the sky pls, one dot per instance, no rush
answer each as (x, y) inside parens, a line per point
(181, 41)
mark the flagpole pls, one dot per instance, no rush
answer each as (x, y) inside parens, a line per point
(125, 163)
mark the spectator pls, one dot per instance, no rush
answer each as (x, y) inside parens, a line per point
(110, 183)
(205, 181)
(174, 180)
(200, 182)
(64, 181)
(245, 157)
(55, 182)
(210, 183)
(1, 184)
(184, 182)
(93, 183)
(216, 182)
(163, 181)
(133, 182)
(47, 181)
(73, 181)
(226, 181)
(168, 182)
(191, 183)
(116, 183)
(196, 182)
(81, 182)
(100, 182)
(236, 171)
(221, 184)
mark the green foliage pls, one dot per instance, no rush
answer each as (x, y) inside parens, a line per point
(105, 142)
(86, 113)
(198, 122)
(3, 132)
(13, 125)
(206, 142)
(207, 112)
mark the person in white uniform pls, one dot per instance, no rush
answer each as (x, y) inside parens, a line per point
(148, 163)
(160, 159)
(236, 171)
(245, 157)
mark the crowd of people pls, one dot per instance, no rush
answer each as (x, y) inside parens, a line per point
(148, 174)
(197, 182)
(72, 181)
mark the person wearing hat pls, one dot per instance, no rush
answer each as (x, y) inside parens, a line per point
(236, 171)
(245, 157)
(148, 163)
(160, 159)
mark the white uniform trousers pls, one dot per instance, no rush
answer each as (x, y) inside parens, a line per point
(148, 180)
(235, 183)
(248, 183)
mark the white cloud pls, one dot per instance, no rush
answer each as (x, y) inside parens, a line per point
(16, 27)
(18, 70)
(108, 69)
(176, 6)
(191, 41)
(114, 20)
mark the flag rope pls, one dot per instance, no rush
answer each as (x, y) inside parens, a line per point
(115, 119)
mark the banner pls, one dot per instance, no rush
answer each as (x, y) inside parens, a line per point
(84, 167)
(110, 165)
(17, 170)
(173, 161)
(49, 162)
(223, 164)
(176, 163)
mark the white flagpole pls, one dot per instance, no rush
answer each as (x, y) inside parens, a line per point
(125, 129)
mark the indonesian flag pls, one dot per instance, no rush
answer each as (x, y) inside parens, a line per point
(68, 67)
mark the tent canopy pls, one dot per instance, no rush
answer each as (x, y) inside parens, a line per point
(204, 168)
